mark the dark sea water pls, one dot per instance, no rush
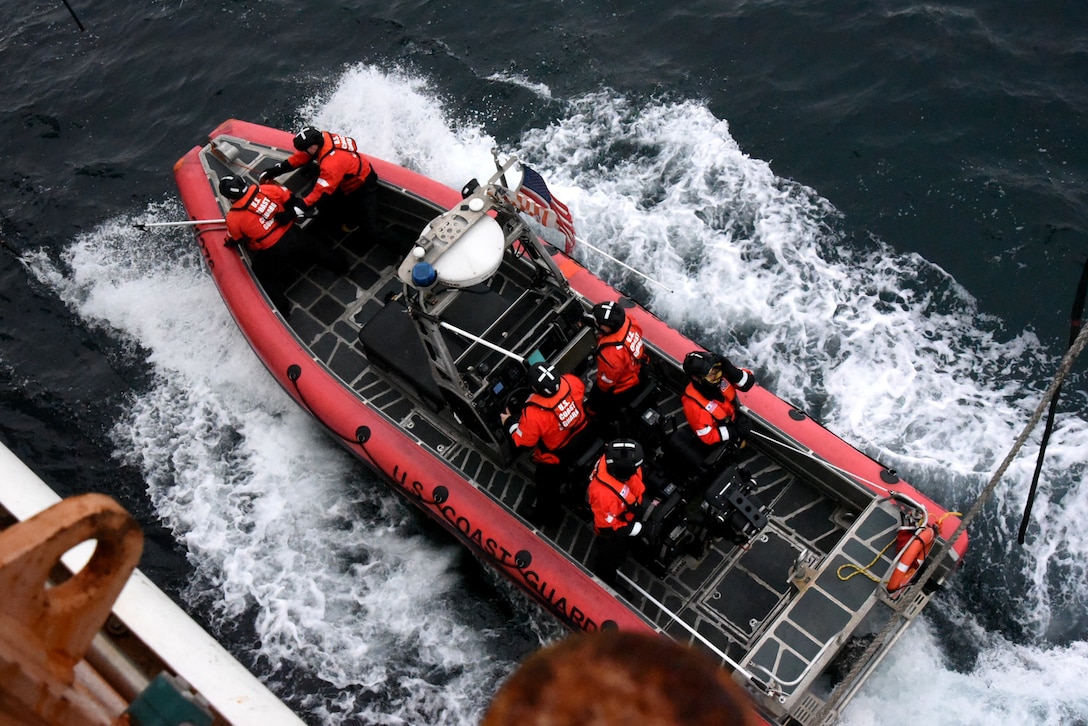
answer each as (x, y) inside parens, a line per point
(882, 208)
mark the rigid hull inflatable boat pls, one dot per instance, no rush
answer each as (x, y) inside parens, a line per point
(774, 558)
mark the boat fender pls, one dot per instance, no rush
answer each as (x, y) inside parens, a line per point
(911, 558)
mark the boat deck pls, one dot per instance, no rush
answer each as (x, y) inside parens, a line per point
(738, 600)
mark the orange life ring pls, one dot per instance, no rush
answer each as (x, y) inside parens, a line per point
(911, 558)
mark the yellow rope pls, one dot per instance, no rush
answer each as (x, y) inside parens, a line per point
(947, 514)
(863, 570)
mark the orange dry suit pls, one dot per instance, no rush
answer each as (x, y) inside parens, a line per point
(708, 414)
(619, 358)
(340, 166)
(550, 422)
(252, 218)
(612, 500)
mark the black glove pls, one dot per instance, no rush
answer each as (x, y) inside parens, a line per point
(230, 243)
(728, 432)
(274, 171)
(302, 210)
(743, 379)
(294, 211)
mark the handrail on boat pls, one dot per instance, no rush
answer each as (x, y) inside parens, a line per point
(737, 667)
(481, 341)
(798, 679)
(481, 338)
(809, 454)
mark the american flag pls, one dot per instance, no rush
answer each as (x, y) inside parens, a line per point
(534, 199)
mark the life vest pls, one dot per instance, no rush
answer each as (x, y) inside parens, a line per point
(619, 358)
(336, 142)
(550, 422)
(340, 167)
(612, 500)
(705, 415)
(251, 219)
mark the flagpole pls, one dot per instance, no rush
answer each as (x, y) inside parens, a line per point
(602, 253)
(542, 200)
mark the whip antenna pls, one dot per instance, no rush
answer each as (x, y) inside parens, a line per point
(73, 12)
(1075, 318)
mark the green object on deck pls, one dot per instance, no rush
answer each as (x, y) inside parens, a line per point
(168, 702)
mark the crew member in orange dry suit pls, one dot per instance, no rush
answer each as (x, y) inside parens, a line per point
(263, 218)
(620, 357)
(552, 419)
(347, 185)
(710, 398)
(615, 498)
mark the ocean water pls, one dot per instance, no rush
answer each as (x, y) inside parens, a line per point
(881, 210)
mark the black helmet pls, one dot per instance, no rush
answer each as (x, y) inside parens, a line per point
(543, 380)
(308, 137)
(232, 187)
(622, 458)
(698, 363)
(609, 314)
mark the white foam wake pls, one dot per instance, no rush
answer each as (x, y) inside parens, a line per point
(881, 345)
(283, 529)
